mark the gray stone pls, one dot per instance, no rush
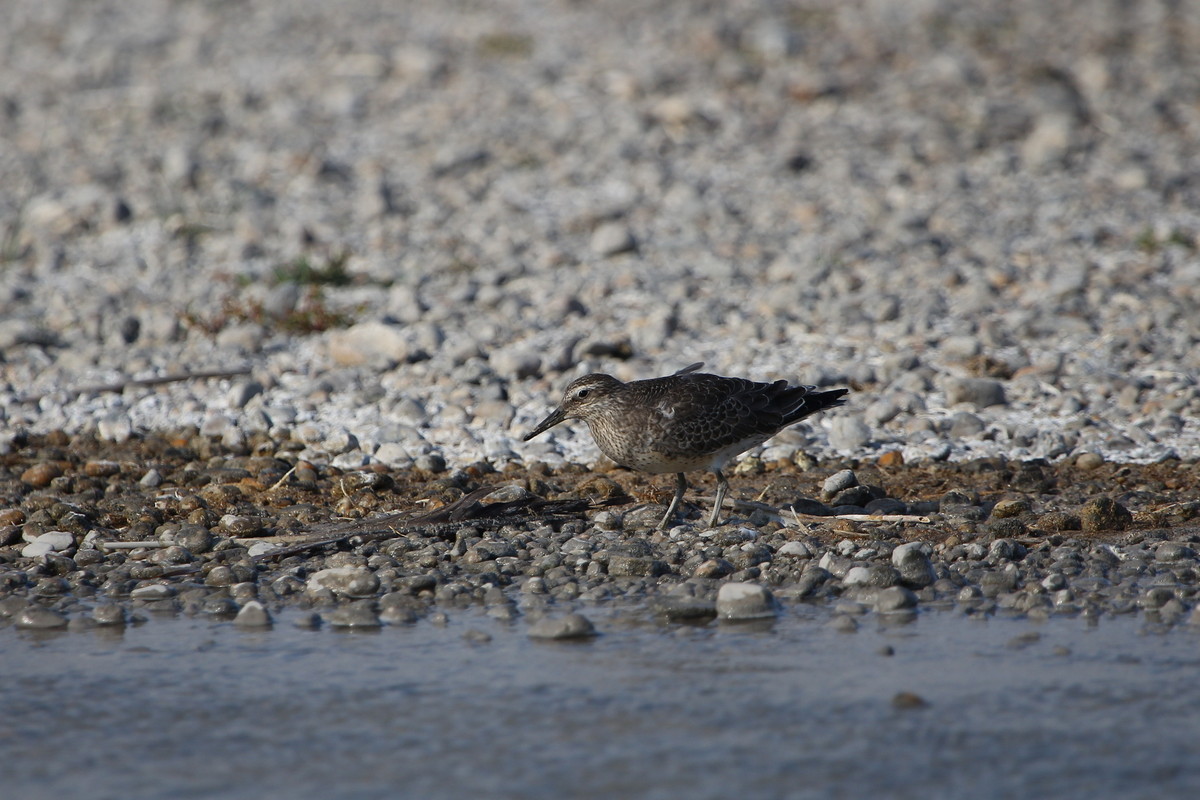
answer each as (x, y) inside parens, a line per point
(430, 462)
(378, 345)
(39, 618)
(49, 542)
(612, 238)
(570, 626)
(886, 505)
(848, 433)
(151, 479)
(355, 615)
(345, 581)
(964, 424)
(108, 614)
(242, 392)
(627, 566)
(911, 560)
(516, 363)
(894, 598)
(153, 591)
(837, 482)
(980, 392)
(875, 576)
(1174, 551)
(795, 549)
(685, 608)
(744, 601)
(115, 427)
(253, 615)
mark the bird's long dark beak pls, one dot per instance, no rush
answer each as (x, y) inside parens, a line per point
(556, 416)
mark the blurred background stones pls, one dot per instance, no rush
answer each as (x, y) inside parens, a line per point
(983, 217)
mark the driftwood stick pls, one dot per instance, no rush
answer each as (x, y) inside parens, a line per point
(775, 514)
(869, 517)
(120, 386)
(152, 543)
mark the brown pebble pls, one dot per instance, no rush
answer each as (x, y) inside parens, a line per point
(892, 458)
(12, 516)
(101, 469)
(1010, 508)
(907, 701)
(40, 475)
(1104, 514)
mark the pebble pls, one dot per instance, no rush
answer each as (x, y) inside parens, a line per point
(153, 591)
(1174, 551)
(49, 542)
(109, 614)
(355, 615)
(612, 238)
(39, 618)
(40, 475)
(1010, 508)
(911, 560)
(377, 345)
(151, 478)
(795, 549)
(895, 598)
(848, 434)
(346, 581)
(909, 701)
(685, 608)
(838, 482)
(253, 615)
(744, 601)
(569, 626)
(979, 392)
(1104, 514)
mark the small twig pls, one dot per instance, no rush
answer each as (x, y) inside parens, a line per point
(121, 386)
(868, 517)
(153, 543)
(286, 475)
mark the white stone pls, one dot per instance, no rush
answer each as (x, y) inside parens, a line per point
(795, 549)
(252, 615)
(857, 576)
(36, 549)
(739, 601)
(902, 552)
(154, 591)
(57, 541)
(348, 581)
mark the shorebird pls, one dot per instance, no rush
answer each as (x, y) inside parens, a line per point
(684, 422)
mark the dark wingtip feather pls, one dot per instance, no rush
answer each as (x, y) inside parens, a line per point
(812, 402)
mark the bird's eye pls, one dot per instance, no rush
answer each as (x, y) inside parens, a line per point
(582, 393)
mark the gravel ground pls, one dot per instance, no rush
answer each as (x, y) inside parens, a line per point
(97, 534)
(390, 233)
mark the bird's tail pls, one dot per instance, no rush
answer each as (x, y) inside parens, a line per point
(811, 402)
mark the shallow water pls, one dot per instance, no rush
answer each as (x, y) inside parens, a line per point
(189, 708)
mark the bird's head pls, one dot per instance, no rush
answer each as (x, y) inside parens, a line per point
(584, 398)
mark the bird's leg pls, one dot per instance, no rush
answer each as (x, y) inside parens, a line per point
(722, 487)
(680, 488)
